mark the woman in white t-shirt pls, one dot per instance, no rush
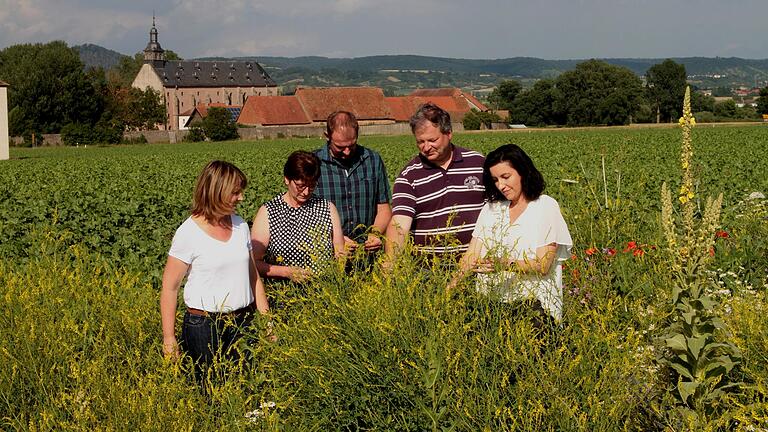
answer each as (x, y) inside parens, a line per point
(212, 248)
(520, 238)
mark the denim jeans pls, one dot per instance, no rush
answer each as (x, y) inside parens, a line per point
(203, 337)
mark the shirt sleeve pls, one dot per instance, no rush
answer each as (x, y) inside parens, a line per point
(382, 183)
(403, 198)
(553, 229)
(181, 245)
(484, 223)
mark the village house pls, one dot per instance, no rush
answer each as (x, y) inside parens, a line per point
(4, 151)
(311, 106)
(184, 85)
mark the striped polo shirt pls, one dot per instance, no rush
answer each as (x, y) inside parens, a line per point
(443, 203)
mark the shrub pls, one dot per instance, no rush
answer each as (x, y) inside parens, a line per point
(195, 134)
(218, 125)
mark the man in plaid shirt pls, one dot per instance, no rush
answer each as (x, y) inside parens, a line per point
(355, 180)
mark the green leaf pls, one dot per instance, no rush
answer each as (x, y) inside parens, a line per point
(687, 389)
(676, 343)
(682, 370)
(695, 344)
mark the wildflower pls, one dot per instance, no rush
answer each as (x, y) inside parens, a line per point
(573, 257)
(609, 251)
(630, 246)
(712, 251)
(638, 252)
(591, 251)
(683, 199)
(721, 234)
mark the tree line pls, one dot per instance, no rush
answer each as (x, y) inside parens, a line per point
(598, 93)
(51, 92)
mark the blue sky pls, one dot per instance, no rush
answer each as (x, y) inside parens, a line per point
(551, 29)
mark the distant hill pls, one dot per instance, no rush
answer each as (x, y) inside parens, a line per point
(94, 56)
(527, 67)
(399, 73)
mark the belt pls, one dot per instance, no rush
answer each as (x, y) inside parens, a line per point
(199, 312)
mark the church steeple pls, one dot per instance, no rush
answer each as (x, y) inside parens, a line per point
(154, 53)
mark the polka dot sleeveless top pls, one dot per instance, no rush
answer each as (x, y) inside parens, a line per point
(302, 236)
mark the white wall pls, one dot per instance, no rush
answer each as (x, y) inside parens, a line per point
(4, 123)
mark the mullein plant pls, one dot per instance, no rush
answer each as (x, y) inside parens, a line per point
(697, 347)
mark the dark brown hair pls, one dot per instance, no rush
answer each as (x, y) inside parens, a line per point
(302, 165)
(531, 179)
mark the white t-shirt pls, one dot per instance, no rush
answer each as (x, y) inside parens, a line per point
(218, 278)
(540, 224)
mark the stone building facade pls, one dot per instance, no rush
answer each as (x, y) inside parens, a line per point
(4, 155)
(185, 84)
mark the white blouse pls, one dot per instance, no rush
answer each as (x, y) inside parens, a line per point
(540, 224)
(218, 278)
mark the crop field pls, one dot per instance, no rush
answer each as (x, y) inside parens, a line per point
(84, 233)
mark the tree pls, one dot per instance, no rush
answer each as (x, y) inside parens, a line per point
(218, 125)
(665, 86)
(701, 102)
(596, 92)
(49, 88)
(503, 96)
(762, 101)
(726, 109)
(145, 109)
(535, 107)
(474, 120)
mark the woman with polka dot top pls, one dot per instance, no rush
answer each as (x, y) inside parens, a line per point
(297, 233)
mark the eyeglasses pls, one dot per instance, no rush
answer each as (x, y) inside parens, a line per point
(301, 187)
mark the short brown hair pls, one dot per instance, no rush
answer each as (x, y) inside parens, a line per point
(214, 188)
(302, 165)
(432, 113)
(341, 119)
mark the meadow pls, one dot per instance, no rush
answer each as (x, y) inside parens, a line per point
(84, 233)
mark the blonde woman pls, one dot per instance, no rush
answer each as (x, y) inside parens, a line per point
(212, 248)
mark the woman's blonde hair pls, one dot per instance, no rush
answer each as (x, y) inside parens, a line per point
(214, 189)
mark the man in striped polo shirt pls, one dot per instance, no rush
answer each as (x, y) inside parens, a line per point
(439, 194)
(355, 180)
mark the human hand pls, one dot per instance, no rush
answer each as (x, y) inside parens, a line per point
(373, 243)
(271, 331)
(171, 349)
(299, 274)
(484, 266)
(349, 244)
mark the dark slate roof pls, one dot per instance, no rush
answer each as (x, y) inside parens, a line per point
(214, 74)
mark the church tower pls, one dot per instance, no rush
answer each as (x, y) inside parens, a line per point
(153, 53)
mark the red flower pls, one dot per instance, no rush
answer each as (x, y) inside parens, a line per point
(573, 257)
(591, 251)
(721, 234)
(609, 251)
(712, 251)
(630, 246)
(638, 252)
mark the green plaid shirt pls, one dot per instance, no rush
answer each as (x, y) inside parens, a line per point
(355, 189)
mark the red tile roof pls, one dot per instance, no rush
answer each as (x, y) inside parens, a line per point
(451, 92)
(403, 107)
(273, 110)
(202, 109)
(367, 103)
(436, 92)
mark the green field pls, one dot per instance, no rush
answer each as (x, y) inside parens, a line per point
(84, 233)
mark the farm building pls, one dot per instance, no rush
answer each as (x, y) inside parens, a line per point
(313, 105)
(186, 84)
(4, 153)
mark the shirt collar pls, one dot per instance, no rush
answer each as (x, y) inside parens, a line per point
(455, 157)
